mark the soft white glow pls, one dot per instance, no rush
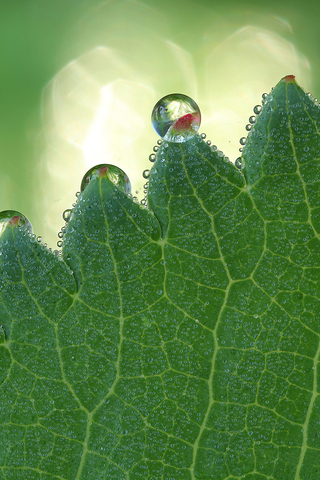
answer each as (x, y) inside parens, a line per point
(97, 109)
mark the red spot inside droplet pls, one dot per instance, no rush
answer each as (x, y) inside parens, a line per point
(103, 171)
(185, 122)
(289, 78)
(15, 220)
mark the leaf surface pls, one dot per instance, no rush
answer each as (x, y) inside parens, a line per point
(178, 342)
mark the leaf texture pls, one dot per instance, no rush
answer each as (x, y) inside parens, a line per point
(178, 342)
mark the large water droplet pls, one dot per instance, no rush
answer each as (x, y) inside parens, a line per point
(115, 174)
(176, 118)
(13, 218)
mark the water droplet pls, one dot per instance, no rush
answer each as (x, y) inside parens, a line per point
(176, 118)
(115, 174)
(78, 194)
(257, 109)
(203, 136)
(248, 127)
(238, 163)
(243, 140)
(214, 148)
(152, 157)
(67, 215)
(264, 96)
(159, 292)
(59, 243)
(252, 119)
(155, 148)
(146, 173)
(39, 239)
(60, 234)
(13, 218)
(209, 142)
(159, 141)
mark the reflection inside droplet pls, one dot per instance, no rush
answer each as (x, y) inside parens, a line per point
(13, 218)
(115, 174)
(176, 118)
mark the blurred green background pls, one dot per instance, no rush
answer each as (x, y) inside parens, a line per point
(79, 79)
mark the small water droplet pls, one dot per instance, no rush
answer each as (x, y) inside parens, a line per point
(39, 239)
(152, 157)
(176, 118)
(257, 109)
(13, 218)
(67, 215)
(209, 142)
(60, 234)
(155, 148)
(248, 127)
(146, 174)
(252, 119)
(59, 243)
(159, 141)
(264, 96)
(78, 194)
(241, 149)
(159, 292)
(203, 136)
(238, 163)
(115, 174)
(243, 140)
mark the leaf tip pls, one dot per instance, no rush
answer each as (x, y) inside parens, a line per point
(289, 79)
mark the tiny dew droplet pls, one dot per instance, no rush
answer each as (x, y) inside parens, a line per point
(78, 194)
(146, 173)
(264, 96)
(243, 140)
(39, 239)
(67, 215)
(60, 234)
(115, 174)
(59, 243)
(152, 157)
(159, 141)
(13, 218)
(248, 127)
(252, 119)
(176, 118)
(155, 148)
(203, 136)
(238, 163)
(209, 142)
(257, 109)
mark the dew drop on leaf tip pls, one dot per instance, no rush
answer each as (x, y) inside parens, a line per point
(115, 174)
(176, 118)
(13, 218)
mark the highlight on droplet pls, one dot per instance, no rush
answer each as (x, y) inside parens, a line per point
(176, 118)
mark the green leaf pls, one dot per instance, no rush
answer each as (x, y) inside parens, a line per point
(178, 342)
